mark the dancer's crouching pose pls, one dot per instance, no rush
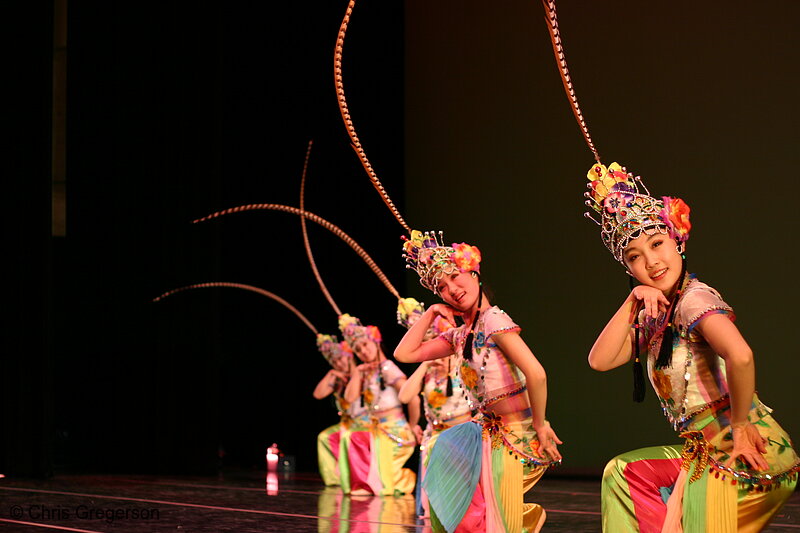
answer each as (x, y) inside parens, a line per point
(737, 466)
(478, 472)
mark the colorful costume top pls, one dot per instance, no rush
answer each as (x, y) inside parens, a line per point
(697, 378)
(381, 397)
(495, 386)
(442, 411)
(694, 394)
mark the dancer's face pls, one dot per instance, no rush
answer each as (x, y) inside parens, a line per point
(366, 350)
(654, 260)
(342, 364)
(459, 290)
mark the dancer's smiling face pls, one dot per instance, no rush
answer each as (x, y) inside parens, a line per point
(459, 290)
(366, 350)
(654, 260)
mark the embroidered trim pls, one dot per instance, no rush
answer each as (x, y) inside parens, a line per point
(711, 310)
(504, 330)
(696, 450)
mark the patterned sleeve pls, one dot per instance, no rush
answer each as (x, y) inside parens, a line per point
(497, 322)
(699, 303)
(448, 337)
(391, 373)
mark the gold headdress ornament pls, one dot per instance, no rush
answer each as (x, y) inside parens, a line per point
(436, 250)
(328, 345)
(624, 204)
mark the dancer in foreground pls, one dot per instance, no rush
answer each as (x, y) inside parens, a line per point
(737, 466)
(478, 472)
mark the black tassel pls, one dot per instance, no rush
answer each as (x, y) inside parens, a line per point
(665, 351)
(449, 389)
(380, 380)
(471, 335)
(638, 371)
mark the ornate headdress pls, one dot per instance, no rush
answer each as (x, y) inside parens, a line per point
(408, 311)
(427, 254)
(625, 211)
(331, 349)
(352, 330)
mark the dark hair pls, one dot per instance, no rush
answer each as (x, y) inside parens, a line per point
(471, 334)
(665, 351)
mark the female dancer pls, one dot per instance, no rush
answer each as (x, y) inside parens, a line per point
(334, 383)
(478, 472)
(375, 384)
(737, 465)
(444, 400)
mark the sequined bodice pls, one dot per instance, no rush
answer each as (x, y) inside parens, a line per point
(696, 377)
(489, 376)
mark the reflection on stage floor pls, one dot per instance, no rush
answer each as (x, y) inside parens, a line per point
(244, 501)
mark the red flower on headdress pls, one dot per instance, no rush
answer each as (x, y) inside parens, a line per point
(466, 257)
(374, 333)
(346, 350)
(676, 216)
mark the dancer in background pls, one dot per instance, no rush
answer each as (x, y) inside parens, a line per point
(334, 383)
(478, 472)
(444, 399)
(375, 383)
(737, 466)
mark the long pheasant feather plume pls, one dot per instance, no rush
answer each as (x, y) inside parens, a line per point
(313, 218)
(245, 287)
(348, 121)
(310, 255)
(563, 70)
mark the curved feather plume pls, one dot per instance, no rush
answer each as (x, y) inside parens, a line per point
(561, 60)
(313, 218)
(245, 287)
(348, 122)
(310, 255)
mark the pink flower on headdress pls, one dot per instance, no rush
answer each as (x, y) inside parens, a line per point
(617, 201)
(676, 216)
(466, 257)
(346, 350)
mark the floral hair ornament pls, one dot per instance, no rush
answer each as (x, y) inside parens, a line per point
(431, 259)
(352, 330)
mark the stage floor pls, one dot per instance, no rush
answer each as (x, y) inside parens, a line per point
(244, 502)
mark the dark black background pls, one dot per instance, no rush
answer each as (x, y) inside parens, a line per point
(176, 110)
